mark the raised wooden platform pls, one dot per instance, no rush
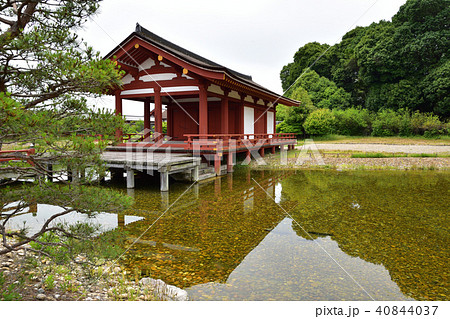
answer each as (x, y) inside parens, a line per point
(163, 163)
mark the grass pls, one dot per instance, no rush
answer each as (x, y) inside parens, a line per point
(333, 138)
(392, 155)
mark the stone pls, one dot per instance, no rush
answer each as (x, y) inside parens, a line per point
(41, 290)
(40, 297)
(165, 291)
(57, 296)
(88, 299)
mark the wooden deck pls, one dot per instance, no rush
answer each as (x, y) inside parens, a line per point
(163, 163)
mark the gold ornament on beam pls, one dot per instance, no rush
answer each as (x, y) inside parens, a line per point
(185, 71)
(160, 58)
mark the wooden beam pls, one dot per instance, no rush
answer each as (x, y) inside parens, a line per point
(203, 110)
(224, 115)
(158, 111)
(118, 113)
(147, 127)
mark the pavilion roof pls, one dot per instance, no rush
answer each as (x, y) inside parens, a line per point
(201, 62)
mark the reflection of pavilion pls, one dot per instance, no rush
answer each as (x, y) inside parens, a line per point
(207, 234)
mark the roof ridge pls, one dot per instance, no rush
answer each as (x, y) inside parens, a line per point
(156, 38)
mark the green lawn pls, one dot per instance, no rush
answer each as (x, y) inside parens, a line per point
(442, 140)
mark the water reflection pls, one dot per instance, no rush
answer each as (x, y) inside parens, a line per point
(368, 221)
(206, 234)
(227, 239)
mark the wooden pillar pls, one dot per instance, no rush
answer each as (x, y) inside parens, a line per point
(230, 162)
(170, 120)
(195, 173)
(118, 113)
(261, 152)
(203, 110)
(130, 178)
(158, 111)
(274, 119)
(164, 179)
(273, 149)
(264, 118)
(147, 127)
(224, 115)
(217, 164)
(241, 115)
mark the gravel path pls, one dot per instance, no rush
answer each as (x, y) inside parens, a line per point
(388, 148)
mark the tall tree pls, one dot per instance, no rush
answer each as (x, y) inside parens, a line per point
(389, 64)
(46, 73)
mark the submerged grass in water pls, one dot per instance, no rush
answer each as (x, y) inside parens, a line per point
(229, 240)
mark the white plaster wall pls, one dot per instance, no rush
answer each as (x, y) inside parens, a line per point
(249, 120)
(270, 121)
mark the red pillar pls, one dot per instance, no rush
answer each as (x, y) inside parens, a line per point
(169, 120)
(274, 119)
(264, 118)
(261, 152)
(118, 113)
(147, 127)
(241, 116)
(203, 111)
(217, 164)
(224, 115)
(158, 111)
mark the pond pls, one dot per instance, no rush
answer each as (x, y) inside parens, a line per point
(293, 235)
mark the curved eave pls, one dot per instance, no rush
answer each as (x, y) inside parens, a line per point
(217, 74)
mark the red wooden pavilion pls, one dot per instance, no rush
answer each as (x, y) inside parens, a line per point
(204, 100)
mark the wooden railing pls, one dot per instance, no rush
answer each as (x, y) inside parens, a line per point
(11, 157)
(227, 141)
(214, 142)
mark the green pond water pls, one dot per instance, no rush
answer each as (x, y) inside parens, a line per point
(288, 235)
(296, 235)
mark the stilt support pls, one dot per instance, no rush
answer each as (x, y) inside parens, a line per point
(130, 178)
(217, 162)
(230, 163)
(164, 176)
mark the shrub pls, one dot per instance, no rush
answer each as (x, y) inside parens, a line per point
(352, 121)
(427, 124)
(386, 123)
(319, 122)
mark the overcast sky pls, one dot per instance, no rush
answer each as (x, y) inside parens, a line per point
(253, 37)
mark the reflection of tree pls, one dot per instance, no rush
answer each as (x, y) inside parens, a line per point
(396, 219)
(209, 236)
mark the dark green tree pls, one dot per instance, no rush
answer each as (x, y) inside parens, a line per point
(46, 74)
(398, 64)
(304, 58)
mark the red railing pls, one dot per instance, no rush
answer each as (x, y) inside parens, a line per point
(214, 142)
(238, 141)
(11, 156)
